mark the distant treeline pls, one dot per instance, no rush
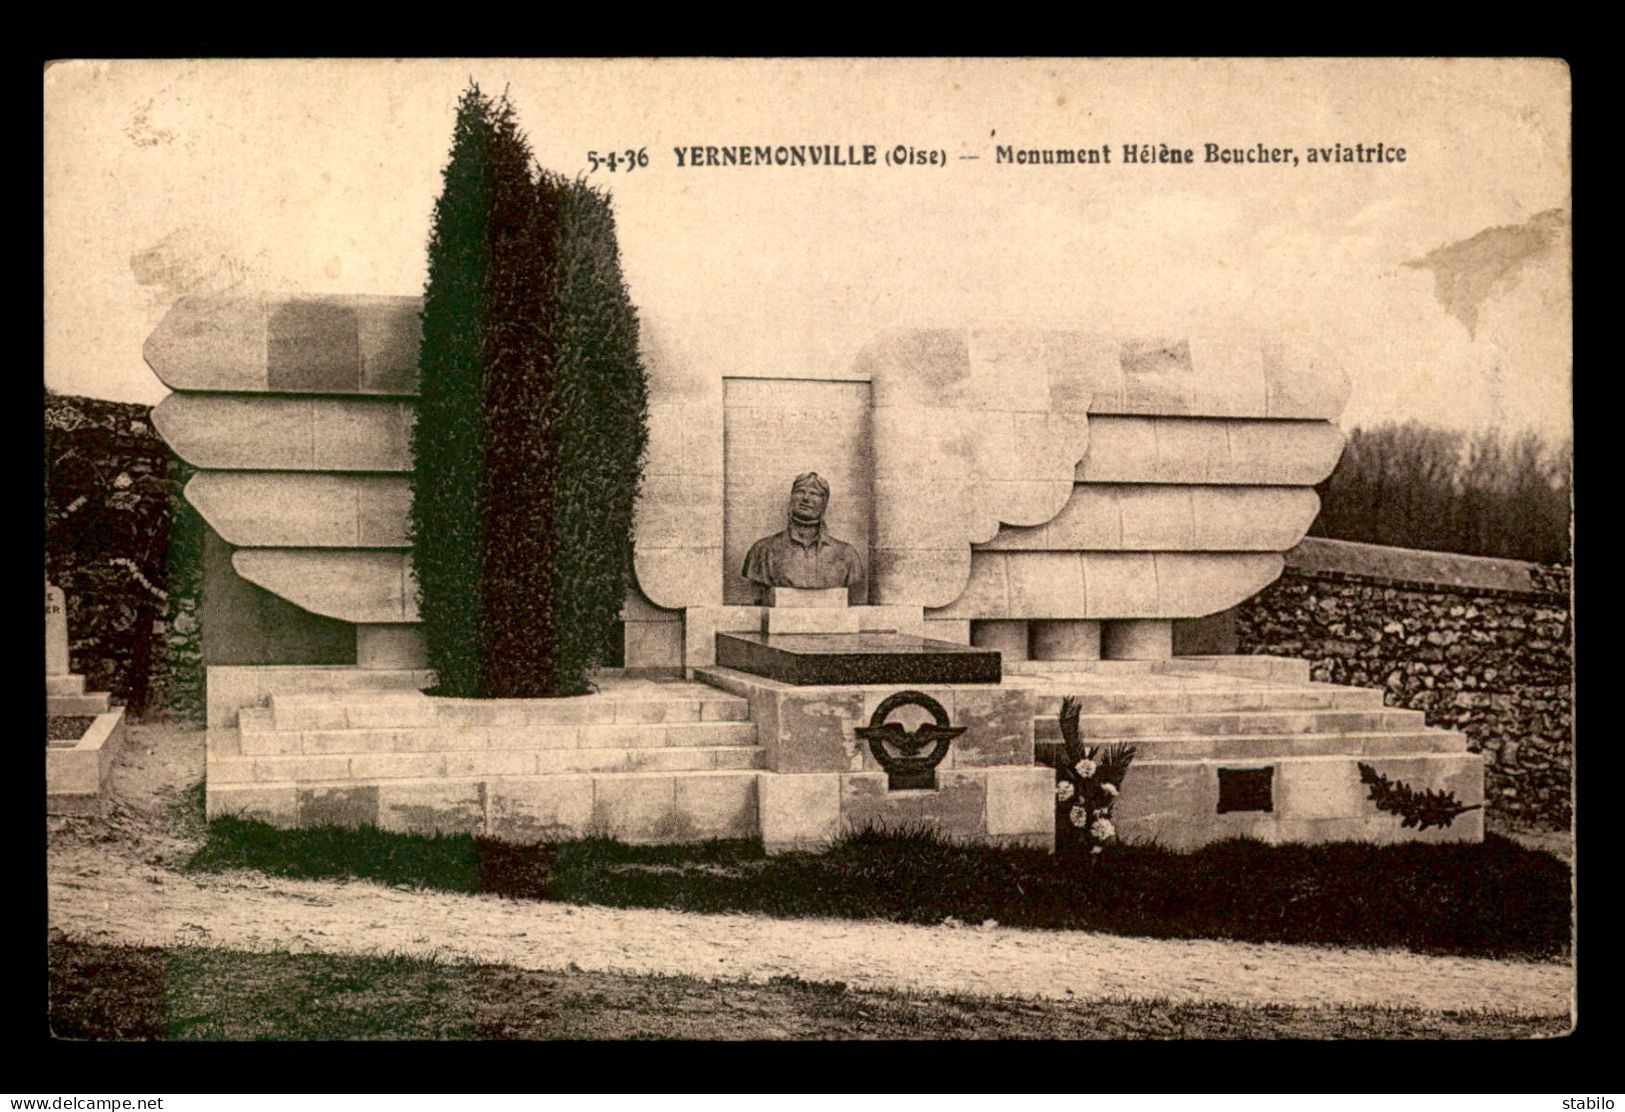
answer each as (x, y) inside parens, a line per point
(1483, 494)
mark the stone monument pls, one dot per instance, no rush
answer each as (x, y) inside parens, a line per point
(64, 690)
(1046, 503)
(56, 631)
(77, 768)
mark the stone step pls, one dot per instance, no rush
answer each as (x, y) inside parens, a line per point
(352, 767)
(1279, 669)
(71, 684)
(1271, 747)
(411, 709)
(720, 757)
(1101, 727)
(631, 806)
(661, 734)
(233, 687)
(96, 703)
(1311, 799)
(259, 737)
(1263, 699)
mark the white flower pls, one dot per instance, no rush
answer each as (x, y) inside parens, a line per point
(1109, 789)
(1085, 768)
(1079, 815)
(1064, 790)
(1096, 849)
(1102, 830)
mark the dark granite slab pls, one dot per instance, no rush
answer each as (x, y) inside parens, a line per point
(856, 658)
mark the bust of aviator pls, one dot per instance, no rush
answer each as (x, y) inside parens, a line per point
(804, 554)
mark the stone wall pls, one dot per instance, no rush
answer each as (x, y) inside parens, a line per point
(1479, 645)
(125, 548)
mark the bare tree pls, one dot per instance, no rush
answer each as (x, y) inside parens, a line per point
(1420, 486)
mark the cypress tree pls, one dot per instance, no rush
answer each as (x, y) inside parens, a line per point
(519, 428)
(531, 428)
(448, 497)
(522, 459)
(601, 404)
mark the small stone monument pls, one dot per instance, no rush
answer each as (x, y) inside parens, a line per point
(64, 691)
(77, 770)
(56, 631)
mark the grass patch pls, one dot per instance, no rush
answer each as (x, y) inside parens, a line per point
(187, 810)
(1494, 899)
(201, 994)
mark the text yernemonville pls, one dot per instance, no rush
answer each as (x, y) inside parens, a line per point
(803, 154)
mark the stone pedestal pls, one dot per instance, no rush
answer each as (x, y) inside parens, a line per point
(802, 598)
(812, 619)
(1066, 640)
(822, 780)
(795, 612)
(820, 669)
(1137, 640)
(803, 610)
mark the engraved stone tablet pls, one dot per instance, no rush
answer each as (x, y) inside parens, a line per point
(56, 632)
(805, 597)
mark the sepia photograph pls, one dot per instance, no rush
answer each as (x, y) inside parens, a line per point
(809, 549)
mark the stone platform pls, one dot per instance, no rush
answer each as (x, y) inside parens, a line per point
(855, 658)
(1191, 717)
(645, 760)
(77, 772)
(729, 754)
(826, 780)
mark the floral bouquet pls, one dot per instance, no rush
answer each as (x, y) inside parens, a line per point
(1088, 779)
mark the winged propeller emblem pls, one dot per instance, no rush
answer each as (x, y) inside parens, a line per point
(901, 751)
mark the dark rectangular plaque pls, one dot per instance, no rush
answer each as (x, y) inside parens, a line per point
(1246, 789)
(856, 658)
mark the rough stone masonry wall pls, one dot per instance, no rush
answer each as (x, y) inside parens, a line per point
(125, 548)
(1482, 646)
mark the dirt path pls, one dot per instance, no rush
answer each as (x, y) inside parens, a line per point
(115, 882)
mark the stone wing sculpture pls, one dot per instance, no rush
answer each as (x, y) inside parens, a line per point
(1017, 475)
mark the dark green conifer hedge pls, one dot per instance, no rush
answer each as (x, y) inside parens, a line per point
(531, 426)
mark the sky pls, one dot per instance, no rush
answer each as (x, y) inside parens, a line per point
(1442, 284)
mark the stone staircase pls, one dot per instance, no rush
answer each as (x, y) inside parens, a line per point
(646, 760)
(663, 759)
(1189, 718)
